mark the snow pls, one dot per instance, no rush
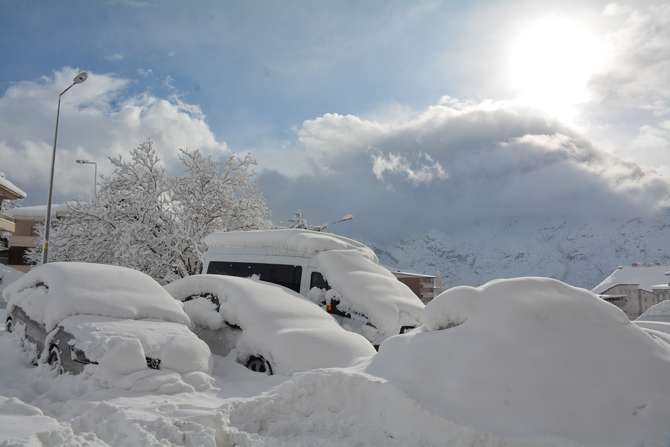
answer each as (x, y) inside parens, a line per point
(521, 346)
(36, 212)
(7, 276)
(203, 313)
(657, 312)
(290, 332)
(91, 289)
(646, 276)
(5, 183)
(534, 357)
(658, 326)
(370, 289)
(286, 242)
(122, 345)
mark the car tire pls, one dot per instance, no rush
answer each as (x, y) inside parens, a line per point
(257, 363)
(9, 325)
(55, 360)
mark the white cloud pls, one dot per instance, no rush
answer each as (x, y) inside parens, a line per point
(502, 161)
(115, 57)
(98, 119)
(424, 170)
(633, 93)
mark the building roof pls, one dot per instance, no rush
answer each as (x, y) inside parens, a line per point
(645, 277)
(10, 190)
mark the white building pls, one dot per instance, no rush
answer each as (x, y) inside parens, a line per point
(635, 288)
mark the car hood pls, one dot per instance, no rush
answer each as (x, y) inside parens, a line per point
(127, 343)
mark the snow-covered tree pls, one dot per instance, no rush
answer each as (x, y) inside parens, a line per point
(145, 219)
(215, 196)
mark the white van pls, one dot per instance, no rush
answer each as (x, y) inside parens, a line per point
(338, 273)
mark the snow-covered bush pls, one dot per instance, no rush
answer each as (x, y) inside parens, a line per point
(145, 219)
(534, 356)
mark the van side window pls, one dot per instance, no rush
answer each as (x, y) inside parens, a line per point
(317, 280)
(283, 275)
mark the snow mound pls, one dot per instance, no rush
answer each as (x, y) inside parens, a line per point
(277, 323)
(367, 287)
(341, 407)
(76, 288)
(24, 425)
(659, 326)
(123, 345)
(534, 356)
(657, 312)
(286, 242)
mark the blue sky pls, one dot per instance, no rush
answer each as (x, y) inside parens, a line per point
(255, 68)
(356, 106)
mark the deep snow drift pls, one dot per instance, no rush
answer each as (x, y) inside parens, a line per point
(515, 363)
(535, 356)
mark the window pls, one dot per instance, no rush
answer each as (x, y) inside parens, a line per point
(283, 275)
(317, 280)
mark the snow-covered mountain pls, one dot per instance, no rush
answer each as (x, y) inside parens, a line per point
(580, 253)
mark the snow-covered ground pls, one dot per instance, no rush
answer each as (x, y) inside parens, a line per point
(527, 362)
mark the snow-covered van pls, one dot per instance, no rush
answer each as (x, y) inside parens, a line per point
(340, 274)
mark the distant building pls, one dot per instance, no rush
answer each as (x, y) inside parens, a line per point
(423, 286)
(8, 192)
(25, 236)
(635, 288)
(662, 291)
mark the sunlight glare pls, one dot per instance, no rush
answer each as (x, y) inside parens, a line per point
(550, 64)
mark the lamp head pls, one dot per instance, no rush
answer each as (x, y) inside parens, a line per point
(81, 77)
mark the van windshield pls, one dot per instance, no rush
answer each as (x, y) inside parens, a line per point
(281, 274)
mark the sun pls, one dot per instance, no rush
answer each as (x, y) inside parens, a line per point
(550, 63)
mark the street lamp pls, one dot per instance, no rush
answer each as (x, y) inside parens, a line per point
(81, 77)
(95, 176)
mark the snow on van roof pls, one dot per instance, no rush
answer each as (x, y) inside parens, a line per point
(78, 288)
(287, 242)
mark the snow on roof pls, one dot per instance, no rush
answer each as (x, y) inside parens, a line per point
(37, 212)
(644, 276)
(77, 288)
(5, 183)
(287, 242)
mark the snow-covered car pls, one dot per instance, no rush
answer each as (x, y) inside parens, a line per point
(77, 314)
(340, 274)
(656, 320)
(534, 357)
(273, 329)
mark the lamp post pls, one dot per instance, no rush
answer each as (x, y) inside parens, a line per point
(95, 176)
(81, 77)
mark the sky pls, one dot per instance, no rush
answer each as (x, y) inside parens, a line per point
(410, 115)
